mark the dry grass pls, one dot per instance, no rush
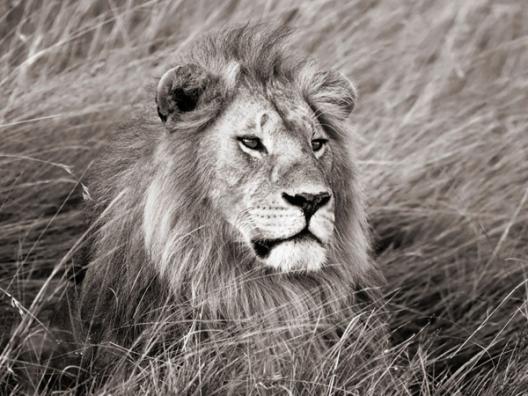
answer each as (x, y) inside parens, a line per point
(442, 132)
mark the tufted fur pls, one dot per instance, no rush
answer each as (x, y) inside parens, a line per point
(163, 259)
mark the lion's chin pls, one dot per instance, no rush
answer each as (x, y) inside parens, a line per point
(297, 255)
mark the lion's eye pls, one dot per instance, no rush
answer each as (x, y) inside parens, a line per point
(317, 144)
(252, 143)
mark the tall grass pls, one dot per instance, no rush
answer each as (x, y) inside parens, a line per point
(442, 131)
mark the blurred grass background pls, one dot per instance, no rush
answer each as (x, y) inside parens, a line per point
(441, 130)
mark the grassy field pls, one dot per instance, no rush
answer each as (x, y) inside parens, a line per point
(442, 132)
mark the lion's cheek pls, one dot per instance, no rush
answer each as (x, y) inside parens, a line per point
(322, 226)
(226, 199)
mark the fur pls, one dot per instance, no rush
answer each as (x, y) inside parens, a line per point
(163, 255)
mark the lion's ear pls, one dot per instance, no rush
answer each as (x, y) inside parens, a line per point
(179, 90)
(330, 92)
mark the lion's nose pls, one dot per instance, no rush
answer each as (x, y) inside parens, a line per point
(309, 203)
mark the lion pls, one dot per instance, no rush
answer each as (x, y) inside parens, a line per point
(230, 205)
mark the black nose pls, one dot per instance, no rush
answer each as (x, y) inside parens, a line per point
(309, 203)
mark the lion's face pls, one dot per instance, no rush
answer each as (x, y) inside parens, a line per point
(264, 158)
(272, 166)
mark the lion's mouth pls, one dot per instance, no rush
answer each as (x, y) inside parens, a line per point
(263, 247)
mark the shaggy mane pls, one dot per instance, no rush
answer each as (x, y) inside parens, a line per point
(163, 262)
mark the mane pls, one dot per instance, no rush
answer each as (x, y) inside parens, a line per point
(259, 49)
(161, 255)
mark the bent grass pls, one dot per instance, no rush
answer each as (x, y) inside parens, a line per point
(441, 132)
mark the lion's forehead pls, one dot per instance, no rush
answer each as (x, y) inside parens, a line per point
(295, 113)
(280, 115)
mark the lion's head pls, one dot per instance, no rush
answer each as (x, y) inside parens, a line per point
(233, 196)
(273, 155)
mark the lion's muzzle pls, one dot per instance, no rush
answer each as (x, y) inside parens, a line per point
(293, 235)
